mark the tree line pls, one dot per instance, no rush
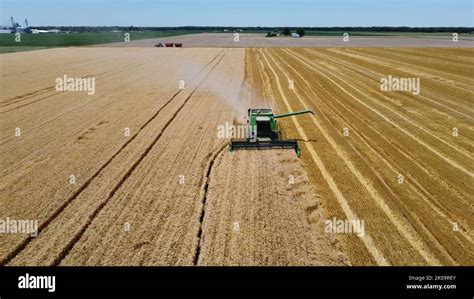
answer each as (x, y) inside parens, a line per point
(260, 29)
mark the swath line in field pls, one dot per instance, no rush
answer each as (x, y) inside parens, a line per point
(446, 215)
(383, 116)
(26, 241)
(81, 64)
(412, 159)
(204, 189)
(97, 76)
(416, 69)
(78, 236)
(460, 150)
(84, 186)
(361, 69)
(430, 201)
(404, 228)
(53, 119)
(52, 88)
(377, 62)
(350, 214)
(401, 151)
(6, 139)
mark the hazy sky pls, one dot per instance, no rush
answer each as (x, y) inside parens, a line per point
(241, 12)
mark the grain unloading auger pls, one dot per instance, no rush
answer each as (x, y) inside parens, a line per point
(263, 132)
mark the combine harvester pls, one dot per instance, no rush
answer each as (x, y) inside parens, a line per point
(263, 132)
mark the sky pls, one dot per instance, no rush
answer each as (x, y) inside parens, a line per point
(292, 13)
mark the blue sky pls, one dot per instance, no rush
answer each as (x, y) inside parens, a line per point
(241, 13)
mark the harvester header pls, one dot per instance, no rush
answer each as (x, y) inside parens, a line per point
(263, 131)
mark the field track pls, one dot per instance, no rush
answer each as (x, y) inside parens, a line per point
(169, 193)
(390, 134)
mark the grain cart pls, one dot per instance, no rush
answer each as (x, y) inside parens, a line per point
(263, 132)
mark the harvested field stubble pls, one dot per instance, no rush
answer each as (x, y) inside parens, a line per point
(169, 193)
(138, 199)
(104, 158)
(258, 212)
(427, 217)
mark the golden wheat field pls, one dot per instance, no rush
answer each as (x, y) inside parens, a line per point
(135, 173)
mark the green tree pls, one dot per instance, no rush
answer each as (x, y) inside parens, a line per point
(286, 32)
(301, 32)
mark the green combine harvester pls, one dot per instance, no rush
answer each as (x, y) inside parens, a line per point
(263, 132)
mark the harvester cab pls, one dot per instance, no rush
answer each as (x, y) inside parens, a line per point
(263, 131)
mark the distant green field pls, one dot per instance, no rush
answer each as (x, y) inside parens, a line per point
(11, 49)
(51, 40)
